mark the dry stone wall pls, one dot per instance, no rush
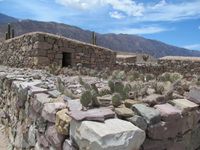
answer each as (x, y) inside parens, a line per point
(37, 50)
(162, 66)
(36, 115)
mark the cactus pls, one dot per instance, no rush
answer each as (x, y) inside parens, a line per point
(9, 31)
(111, 86)
(6, 36)
(159, 87)
(119, 86)
(94, 87)
(126, 90)
(175, 76)
(116, 100)
(145, 57)
(86, 98)
(94, 39)
(12, 33)
(95, 102)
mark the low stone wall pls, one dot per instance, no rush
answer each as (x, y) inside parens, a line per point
(180, 66)
(37, 116)
(37, 50)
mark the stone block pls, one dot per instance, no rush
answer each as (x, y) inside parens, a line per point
(129, 103)
(50, 109)
(151, 115)
(168, 112)
(124, 112)
(194, 95)
(96, 114)
(39, 100)
(114, 134)
(62, 122)
(184, 105)
(54, 138)
(138, 121)
(164, 130)
(154, 99)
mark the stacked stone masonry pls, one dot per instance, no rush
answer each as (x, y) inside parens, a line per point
(37, 116)
(37, 50)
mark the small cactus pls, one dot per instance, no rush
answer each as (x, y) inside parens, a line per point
(94, 87)
(116, 100)
(86, 98)
(119, 86)
(126, 90)
(159, 87)
(111, 86)
(95, 102)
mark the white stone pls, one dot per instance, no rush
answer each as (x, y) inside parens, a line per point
(113, 134)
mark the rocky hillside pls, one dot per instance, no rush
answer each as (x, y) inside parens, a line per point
(117, 42)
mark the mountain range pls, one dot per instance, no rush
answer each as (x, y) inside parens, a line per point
(116, 42)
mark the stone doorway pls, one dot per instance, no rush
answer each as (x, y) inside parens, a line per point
(67, 59)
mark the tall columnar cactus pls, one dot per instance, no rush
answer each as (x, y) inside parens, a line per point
(94, 38)
(12, 33)
(9, 31)
(6, 36)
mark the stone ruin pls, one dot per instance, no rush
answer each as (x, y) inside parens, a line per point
(85, 109)
(38, 50)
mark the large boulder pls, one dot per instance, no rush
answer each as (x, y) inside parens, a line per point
(113, 134)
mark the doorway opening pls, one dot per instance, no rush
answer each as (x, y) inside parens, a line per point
(66, 60)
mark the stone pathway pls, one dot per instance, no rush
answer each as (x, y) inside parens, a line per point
(4, 144)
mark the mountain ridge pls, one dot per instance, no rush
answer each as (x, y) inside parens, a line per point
(116, 42)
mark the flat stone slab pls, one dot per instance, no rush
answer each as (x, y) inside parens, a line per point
(194, 95)
(113, 134)
(105, 100)
(54, 93)
(184, 105)
(97, 114)
(35, 90)
(168, 112)
(74, 105)
(124, 112)
(154, 99)
(151, 115)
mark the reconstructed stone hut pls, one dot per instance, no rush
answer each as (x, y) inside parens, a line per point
(38, 49)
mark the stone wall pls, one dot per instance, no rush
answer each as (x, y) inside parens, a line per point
(41, 49)
(162, 66)
(36, 115)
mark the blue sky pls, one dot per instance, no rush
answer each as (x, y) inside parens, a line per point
(175, 22)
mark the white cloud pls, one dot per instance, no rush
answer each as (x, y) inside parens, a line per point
(140, 12)
(116, 15)
(144, 30)
(193, 47)
(130, 7)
